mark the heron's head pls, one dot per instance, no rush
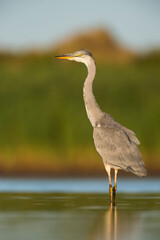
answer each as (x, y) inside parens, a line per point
(78, 56)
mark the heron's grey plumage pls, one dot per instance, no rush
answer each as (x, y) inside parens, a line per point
(116, 144)
(116, 148)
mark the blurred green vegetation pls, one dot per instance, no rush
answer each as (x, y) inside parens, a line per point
(42, 109)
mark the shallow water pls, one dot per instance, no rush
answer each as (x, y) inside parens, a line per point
(70, 215)
(100, 185)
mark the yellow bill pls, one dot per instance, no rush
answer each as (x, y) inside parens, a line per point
(64, 57)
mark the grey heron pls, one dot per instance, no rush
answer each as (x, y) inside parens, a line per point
(116, 144)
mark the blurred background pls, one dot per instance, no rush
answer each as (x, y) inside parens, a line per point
(44, 130)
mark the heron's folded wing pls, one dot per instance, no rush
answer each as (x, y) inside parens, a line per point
(116, 148)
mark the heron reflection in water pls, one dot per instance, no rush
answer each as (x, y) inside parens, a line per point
(116, 144)
(105, 225)
(117, 223)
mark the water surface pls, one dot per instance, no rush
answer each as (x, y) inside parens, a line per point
(67, 215)
(100, 185)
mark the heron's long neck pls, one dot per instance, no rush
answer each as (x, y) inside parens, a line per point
(93, 111)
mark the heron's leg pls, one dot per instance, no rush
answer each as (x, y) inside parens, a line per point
(115, 185)
(108, 169)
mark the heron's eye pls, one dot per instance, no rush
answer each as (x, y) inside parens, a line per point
(77, 54)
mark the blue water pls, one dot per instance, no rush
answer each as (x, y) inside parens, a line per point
(138, 185)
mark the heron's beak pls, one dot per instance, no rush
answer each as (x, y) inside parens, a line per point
(65, 56)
